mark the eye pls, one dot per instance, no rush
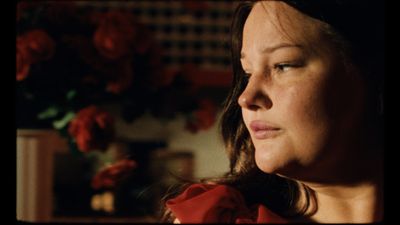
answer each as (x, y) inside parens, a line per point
(283, 67)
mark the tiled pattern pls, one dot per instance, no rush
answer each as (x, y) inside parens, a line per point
(198, 36)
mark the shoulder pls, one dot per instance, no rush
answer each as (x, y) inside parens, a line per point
(216, 203)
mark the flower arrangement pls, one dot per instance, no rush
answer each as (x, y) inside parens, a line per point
(108, 176)
(72, 61)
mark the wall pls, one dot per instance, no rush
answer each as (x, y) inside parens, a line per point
(210, 158)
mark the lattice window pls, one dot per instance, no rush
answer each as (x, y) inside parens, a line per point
(195, 32)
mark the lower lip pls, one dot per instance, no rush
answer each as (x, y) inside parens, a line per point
(266, 134)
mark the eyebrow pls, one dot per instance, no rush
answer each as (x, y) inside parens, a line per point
(273, 48)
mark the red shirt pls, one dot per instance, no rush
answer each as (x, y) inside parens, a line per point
(211, 203)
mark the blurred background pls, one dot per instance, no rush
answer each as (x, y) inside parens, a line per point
(115, 99)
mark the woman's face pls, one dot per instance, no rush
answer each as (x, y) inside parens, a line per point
(301, 103)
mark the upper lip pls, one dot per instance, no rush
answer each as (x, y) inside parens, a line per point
(258, 125)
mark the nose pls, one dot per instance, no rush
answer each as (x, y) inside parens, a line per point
(255, 95)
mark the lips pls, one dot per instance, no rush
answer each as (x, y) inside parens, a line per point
(263, 130)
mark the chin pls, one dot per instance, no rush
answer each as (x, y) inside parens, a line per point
(281, 169)
(267, 161)
(276, 160)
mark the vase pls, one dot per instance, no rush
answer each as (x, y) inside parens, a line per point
(35, 152)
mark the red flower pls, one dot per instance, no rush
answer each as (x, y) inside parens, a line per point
(204, 117)
(40, 45)
(111, 175)
(32, 47)
(213, 203)
(92, 129)
(23, 59)
(115, 34)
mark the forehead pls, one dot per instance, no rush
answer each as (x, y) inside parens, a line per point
(272, 23)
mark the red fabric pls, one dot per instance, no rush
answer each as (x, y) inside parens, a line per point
(210, 203)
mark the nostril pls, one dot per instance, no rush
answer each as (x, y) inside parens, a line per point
(253, 107)
(246, 103)
(254, 100)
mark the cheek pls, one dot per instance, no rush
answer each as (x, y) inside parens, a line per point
(305, 118)
(302, 106)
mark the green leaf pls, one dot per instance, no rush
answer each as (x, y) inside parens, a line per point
(71, 94)
(59, 124)
(50, 112)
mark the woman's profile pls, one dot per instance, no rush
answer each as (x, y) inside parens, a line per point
(303, 121)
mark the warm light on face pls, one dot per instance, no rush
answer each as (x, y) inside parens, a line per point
(292, 87)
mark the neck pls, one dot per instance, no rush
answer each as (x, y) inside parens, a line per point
(351, 203)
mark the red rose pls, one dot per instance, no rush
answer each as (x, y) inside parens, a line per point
(23, 59)
(203, 118)
(114, 36)
(32, 47)
(92, 129)
(111, 175)
(40, 45)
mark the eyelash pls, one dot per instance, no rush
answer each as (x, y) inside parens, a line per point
(282, 66)
(279, 67)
